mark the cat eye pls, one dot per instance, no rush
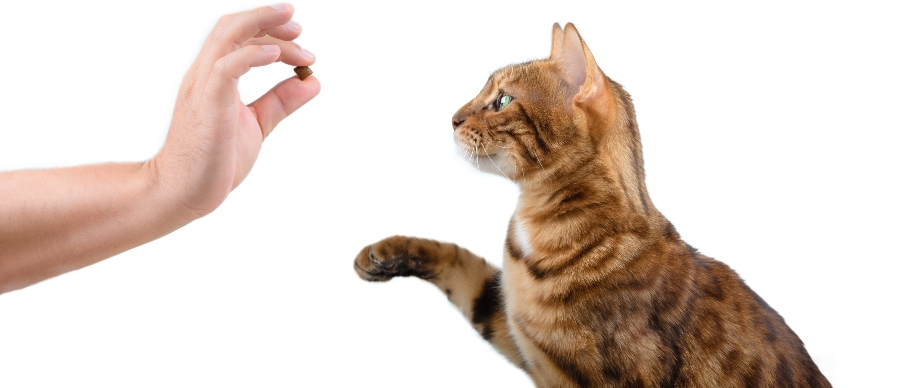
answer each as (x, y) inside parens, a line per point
(502, 101)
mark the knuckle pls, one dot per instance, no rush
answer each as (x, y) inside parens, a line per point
(221, 66)
(224, 20)
(221, 26)
(257, 14)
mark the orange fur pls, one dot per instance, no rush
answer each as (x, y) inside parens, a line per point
(597, 288)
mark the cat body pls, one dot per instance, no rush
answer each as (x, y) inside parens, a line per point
(597, 288)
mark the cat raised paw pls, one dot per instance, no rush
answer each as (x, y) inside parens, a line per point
(391, 257)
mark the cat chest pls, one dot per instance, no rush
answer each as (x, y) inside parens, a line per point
(518, 242)
(527, 295)
(544, 332)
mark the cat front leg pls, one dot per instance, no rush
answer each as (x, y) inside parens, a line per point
(470, 282)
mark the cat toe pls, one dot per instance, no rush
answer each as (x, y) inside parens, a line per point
(390, 258)
(369, 268)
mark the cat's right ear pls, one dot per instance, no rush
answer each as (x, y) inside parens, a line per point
(556, 41)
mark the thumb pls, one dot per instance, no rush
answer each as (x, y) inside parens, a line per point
(285, 98)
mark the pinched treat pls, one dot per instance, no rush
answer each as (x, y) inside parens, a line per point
(303, 72)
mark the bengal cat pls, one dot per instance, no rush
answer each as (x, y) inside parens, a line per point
(597, 289)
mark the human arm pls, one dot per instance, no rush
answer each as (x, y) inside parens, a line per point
(59, 220)
(55, 221)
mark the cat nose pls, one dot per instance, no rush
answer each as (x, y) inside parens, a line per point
(456, 122)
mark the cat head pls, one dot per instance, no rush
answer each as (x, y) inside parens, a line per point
(536, 121)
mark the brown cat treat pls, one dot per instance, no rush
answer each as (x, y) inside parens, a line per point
(303, 72)
(597, 288)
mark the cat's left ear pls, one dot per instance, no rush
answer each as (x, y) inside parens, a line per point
(576, 63)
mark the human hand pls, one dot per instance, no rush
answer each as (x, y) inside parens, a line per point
(60, 220)
(215, 138)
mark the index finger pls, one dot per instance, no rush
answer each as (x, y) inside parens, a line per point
(232, 30)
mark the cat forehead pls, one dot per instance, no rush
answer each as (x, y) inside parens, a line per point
(515, 72)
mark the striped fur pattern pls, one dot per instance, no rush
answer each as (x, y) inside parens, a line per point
(597, 289)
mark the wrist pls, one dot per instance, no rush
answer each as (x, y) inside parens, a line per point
(165, 197)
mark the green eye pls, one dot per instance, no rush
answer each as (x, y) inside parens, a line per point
(502, 101)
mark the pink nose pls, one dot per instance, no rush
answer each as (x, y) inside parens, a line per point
(456, 122)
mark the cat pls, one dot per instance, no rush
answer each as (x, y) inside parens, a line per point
(597, 288)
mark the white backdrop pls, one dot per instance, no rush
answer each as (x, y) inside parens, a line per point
(774, 140)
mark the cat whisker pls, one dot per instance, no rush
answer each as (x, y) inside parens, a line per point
(491, 161)
(466, 152)
(470, 153)
(540, 164)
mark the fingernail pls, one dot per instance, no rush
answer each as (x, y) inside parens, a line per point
(281, 6)
(294, 25)
(271, 48)
(307, 54)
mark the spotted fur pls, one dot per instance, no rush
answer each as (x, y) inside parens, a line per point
(597, 289)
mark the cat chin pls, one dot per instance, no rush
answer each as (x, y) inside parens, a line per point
(496, 165)
(493, 163)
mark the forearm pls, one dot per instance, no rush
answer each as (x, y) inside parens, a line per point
(59, 220)
(56, 221)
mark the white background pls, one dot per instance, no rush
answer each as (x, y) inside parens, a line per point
(774, 139)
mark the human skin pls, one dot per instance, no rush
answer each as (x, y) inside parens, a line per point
(59, 220)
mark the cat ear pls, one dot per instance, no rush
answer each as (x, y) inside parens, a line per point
(577, 64)
(556, 40)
